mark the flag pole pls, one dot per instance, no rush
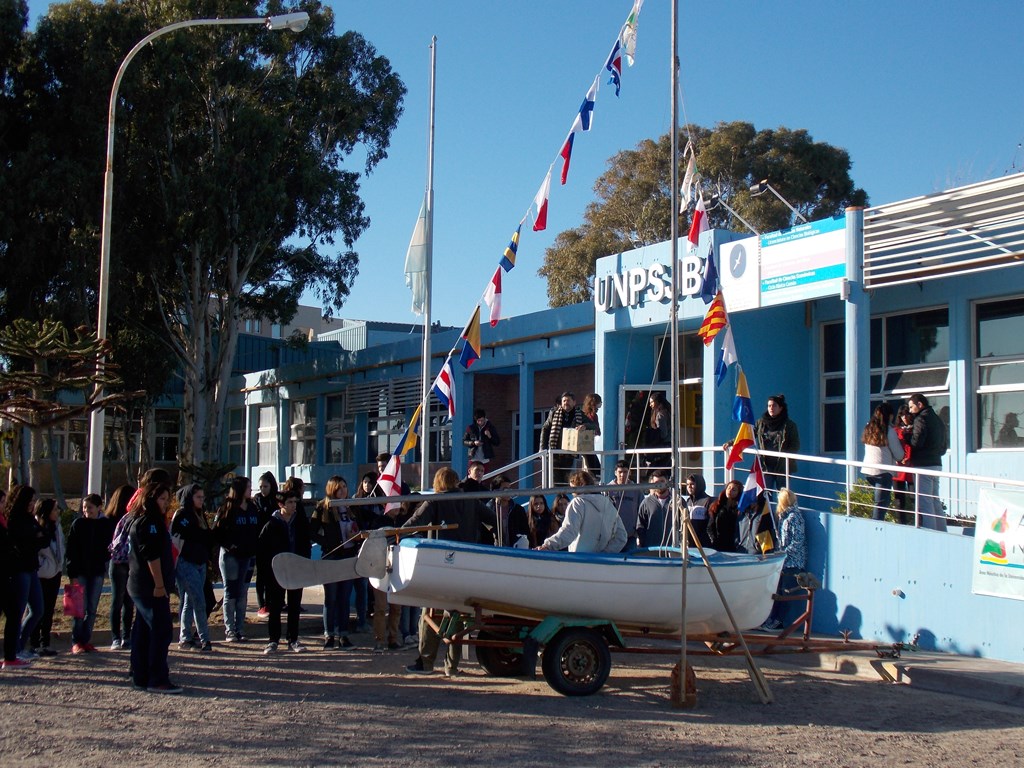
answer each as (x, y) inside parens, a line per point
(428, 284)
(683, 699)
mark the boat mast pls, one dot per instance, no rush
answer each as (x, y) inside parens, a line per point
(429, 236)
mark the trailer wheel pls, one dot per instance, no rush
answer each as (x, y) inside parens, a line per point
(499, 662)
(577, 662)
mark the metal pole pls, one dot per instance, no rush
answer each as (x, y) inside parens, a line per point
(295, 22)
(429, 259)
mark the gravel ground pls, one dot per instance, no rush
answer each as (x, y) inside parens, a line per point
(359, 708)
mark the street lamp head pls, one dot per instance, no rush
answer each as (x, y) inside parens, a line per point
(295, 22)
(759, 188)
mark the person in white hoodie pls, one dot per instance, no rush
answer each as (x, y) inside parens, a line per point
(591, 524)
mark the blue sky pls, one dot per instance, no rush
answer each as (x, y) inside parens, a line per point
(923, 95)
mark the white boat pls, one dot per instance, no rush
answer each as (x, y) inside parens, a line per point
(641, 588)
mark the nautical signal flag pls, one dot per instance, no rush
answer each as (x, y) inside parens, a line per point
(390, 480)
(412, 433)
(743, 412)
(508, 258)
(709, 288)
(471, 340)
(764, 529)
(726, 357)
(582, 123)
(444, 388)
(614, 65)
(699, 223)
(715, 319)
(753, 487)
(628, 33)
(541, 201)
(492, 297)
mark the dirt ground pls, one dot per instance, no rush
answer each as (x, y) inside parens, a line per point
(359, 708)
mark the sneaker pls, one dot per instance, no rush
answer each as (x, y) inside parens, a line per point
(241, 638)
(412, 640)
(417, 668)
(393, 646)
(771, 625)
(379, 648)
(185, 645)
(345, 643)
(78, 648)
(126, 645)
(165, 688)
(230, 638)
(329, 643)
(206, 646)
(450, 673)
(16, 663)
(269, 649)
(90, 648)
(296, 647)
(263, 613)
(115, 645)
(28, 655)
(46, 651)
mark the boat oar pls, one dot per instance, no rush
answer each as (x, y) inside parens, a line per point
(756, 676)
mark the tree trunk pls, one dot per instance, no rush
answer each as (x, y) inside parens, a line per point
(58, 491)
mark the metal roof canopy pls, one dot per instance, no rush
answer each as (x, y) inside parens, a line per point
(976, 228)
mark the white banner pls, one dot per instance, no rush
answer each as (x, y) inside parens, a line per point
(999, 545)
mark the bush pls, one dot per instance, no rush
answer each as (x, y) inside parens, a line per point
(862, 502)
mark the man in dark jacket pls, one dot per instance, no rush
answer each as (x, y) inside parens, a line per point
(927, 444)
(480, 438)
(286, 531)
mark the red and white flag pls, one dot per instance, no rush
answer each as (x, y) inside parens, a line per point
(390, 479)
(541, 201)
(699, 223)
(492, 297)
(444, 388)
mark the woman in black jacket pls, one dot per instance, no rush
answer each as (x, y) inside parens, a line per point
(193, 537)
(723, 528)
(25, 538)
(265, 501)
(286, 531)
(237, 530)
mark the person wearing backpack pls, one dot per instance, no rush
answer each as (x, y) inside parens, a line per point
(122, 609)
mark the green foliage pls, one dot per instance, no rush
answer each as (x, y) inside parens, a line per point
(633, 198)
(862, 501)
(211, 476)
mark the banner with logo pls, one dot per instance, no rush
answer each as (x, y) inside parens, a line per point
(999, 545)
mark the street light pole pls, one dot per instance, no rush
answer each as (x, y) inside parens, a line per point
(296, 22)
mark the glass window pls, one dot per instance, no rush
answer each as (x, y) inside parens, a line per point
(236, 437)
(339, 433)
(303, 431)
(909, 353)
(538, 422)
(999, 373)
(384, 433)
(691, 366)
(166, 433)
(440, 434)
(266, 438)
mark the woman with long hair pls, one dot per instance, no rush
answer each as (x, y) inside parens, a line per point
(237, 530)
(51, 562)
(364, 516)
(723, 527)
(881, 446)
(332, 528)
(658, 433)
(122, 609)
(540, 519)
(265, 501)
(150, 575)
(26, 537)
(591, 405)
(792, 541)
(903, 482)
(190, 529)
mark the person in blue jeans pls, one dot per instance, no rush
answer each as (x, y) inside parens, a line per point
(88, 553)
(927, 445)
(193, 537)
(332, 528)
(881, 446)
(24, 538)
(150, 574)
(122, 609)
(236, 529)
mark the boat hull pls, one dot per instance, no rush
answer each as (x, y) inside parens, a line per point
(636, 589)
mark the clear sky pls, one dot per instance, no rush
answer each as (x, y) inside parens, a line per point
(923, 95)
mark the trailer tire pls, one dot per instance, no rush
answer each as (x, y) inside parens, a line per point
(577, 662)
(499, 662)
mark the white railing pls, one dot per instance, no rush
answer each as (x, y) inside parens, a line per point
(822, 484)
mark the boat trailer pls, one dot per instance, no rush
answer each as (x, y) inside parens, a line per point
(575, 651)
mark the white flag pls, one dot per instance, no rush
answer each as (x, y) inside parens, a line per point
(416, 262)
(686, 190)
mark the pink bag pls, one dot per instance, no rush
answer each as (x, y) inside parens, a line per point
(74, 600)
